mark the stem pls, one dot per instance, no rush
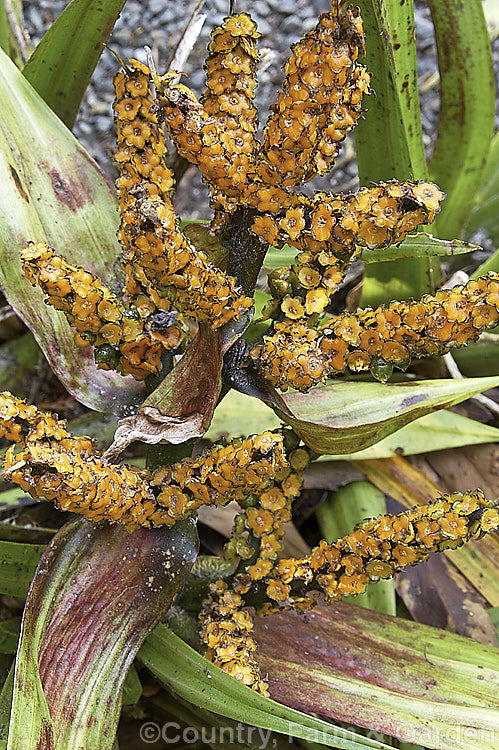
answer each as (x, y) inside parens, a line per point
(246, 251)
(17, 31)
(246, 255)
(164, 454)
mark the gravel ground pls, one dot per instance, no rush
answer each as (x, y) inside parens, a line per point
(159, 24)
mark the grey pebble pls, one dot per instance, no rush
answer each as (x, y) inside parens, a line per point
(221, 5)
(156, 7)
(292, 26)
(261, 8)
(263, 25)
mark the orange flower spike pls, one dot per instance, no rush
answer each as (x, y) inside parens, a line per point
(377, 548)
(229, 94)
(262, 527)
(320, 101)
(64, 470)
(223, 469)
(92, 309)
(155, 248)
(351, 220)
(197, 135)
(144, 176)
(391, 335)
(330, 229)
(226, 627)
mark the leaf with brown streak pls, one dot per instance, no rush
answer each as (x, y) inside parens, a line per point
(53, 192)
(437, 594)
(98, 592)
(349, 416)
(407, 680)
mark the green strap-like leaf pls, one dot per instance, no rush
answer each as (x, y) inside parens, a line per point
(467, 108)
(17, 566)
(417, 246)
(18, 358)
(389, 140)
(193, 678)
(486, 203)
(5, 707)
(239, 415)
(438, 431)
(9, 635)
(348, 417)
(62, 63)
(494, 616)
(132, 687)
(481, 357)
(414, 246)
(53, 192)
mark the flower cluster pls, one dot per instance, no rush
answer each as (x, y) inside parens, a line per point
(79, 481)
(52, 463)
(55, 465)
(228, 100)
(164, 273)
(118, 333)
(226, 627)
(259, 528)
(140, 154)
(167, 278)
(319, 104)
(320, 101)
(49, 462)
(376, 549)
(377, 340)
(222, 474)
(331, 228)
(161, 260)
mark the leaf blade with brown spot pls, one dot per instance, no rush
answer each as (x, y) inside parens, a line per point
(53, 192)
(349, 416)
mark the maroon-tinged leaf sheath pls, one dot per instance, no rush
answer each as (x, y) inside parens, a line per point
(398, 677)
(98, 592)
